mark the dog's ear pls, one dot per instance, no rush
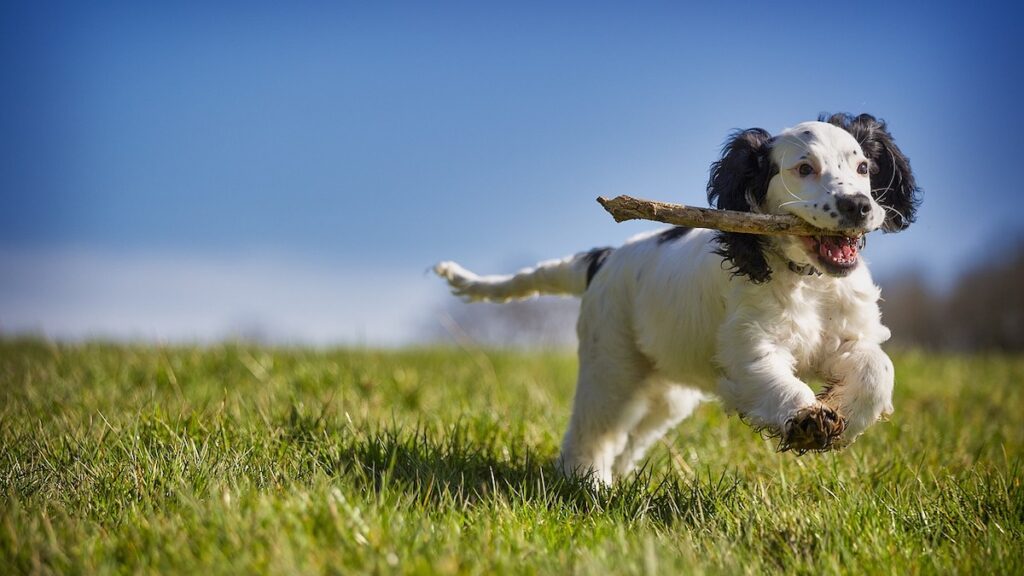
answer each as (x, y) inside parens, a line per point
(739, 181)
(892, 182)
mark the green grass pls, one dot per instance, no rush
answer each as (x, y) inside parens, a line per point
(240, 459)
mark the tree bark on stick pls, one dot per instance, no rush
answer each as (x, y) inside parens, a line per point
(624, 208)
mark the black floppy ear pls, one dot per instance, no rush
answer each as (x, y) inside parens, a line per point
(739, 181)
(892, 182)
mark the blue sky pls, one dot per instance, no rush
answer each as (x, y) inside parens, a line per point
(175, 172)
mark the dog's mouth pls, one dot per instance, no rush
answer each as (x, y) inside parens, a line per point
(838, 255)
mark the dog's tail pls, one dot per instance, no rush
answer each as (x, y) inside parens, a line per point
(567, 276)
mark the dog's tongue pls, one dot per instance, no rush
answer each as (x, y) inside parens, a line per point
(838, 248)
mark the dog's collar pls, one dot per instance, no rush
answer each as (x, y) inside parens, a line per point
(803, 269)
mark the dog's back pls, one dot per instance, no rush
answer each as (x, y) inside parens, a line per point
(662, 294)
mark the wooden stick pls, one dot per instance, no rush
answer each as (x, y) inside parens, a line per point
(624, 208)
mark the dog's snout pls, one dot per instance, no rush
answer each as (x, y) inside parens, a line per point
(854, 208)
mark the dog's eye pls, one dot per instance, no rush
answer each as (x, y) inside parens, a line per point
(805, 170)
(862, 168)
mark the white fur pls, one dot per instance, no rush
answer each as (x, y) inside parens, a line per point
(664, 323)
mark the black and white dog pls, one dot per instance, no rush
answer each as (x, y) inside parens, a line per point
(672, 315)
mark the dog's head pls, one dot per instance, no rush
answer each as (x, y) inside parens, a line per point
(842, 174)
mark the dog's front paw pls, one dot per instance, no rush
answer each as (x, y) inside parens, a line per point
(816, 428)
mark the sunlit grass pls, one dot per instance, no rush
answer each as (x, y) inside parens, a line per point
(241, 459)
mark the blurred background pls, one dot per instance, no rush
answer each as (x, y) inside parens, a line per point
(288, 173)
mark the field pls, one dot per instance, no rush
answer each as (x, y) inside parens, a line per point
(240, 459)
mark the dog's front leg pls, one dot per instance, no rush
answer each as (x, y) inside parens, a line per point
(761, 385)
(860, 377)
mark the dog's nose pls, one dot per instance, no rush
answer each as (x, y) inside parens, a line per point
(854, 208)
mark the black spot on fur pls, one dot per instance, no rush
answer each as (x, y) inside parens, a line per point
(892, 182)
(826, 207)
(673, 233)
(595, 259)
(738, 181)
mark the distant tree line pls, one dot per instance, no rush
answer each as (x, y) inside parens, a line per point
(538, 323)
(982, 311)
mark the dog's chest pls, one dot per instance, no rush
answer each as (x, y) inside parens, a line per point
(799, 323)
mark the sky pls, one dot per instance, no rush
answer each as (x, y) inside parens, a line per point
(191, 171)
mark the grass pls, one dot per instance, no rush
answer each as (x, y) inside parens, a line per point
(238, 459)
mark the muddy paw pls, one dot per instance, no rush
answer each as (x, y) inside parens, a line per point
(813, 429)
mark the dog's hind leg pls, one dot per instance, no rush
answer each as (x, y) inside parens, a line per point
(667, 406)
(609, 402)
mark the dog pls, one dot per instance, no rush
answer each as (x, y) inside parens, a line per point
(674, 315)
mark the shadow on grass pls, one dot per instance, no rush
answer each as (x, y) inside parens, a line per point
(453, 469)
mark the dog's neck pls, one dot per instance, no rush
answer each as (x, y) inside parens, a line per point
(775, 253)
(803, 269)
